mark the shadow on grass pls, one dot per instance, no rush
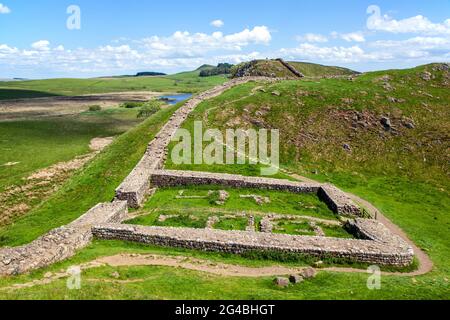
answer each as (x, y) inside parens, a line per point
(6, 94)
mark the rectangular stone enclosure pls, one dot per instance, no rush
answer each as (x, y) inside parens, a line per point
(336, 199)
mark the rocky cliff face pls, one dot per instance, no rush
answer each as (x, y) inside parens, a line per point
(264, 68)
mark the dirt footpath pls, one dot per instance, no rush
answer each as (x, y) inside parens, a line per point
(57, 106)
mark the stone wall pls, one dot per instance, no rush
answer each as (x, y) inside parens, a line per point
(134, 187)
(172, 178)
(370, 230)
(291, 68)
(238, 242)
(61, 243)
(336, 199)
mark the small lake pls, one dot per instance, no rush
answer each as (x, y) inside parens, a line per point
(174, 99)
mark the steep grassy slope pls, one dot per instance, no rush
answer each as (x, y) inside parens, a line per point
(183, 82)
(383, 136)
(273, 68)
(36, 144)
(93, 184)
(338, 124)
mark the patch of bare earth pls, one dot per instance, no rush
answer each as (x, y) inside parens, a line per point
(130, 260)
(59, 106)
(17, 200)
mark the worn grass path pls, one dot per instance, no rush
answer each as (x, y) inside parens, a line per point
(425, 263)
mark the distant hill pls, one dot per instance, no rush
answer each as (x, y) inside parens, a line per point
(276, 68)
(150, 73)
(205, 67)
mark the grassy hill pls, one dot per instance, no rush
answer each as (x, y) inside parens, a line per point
(318, 70)
(189, 82)
(273, 68)
(383, 136)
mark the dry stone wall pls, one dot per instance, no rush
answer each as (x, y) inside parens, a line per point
(338, 201)
(63, 242)
(172, 178)
(60, 243)
(237, 242)
(332, 196)
(291, 68)
(370, 230)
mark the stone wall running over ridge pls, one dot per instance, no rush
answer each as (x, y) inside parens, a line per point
(291, 68)
(135, 186)
(63, 242)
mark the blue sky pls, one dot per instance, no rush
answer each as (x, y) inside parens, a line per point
(122, 37)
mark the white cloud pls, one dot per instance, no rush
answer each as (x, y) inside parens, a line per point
(353, 37)
(312, 37)
(336, 54)
(356, 36)
(119, 49)
(185, 44)
(217, 23)
(5, 49)
(181, 50)
(344, 55)
(42, 45)
(433, 48)
(417, 24)
(259, 35)
(185, 50)
(416, 42)
(4, 9)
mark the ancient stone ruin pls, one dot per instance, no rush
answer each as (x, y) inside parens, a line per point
(375, 243)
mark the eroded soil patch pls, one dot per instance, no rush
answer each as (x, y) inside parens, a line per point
(130, 260)
(17, 200)
(58, 106)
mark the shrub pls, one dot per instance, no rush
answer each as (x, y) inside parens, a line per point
(222, 68)
(95, 108)
(149, 108)
(132, 104)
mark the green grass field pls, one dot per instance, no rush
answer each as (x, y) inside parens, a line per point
(39, 143)
(188, 82)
